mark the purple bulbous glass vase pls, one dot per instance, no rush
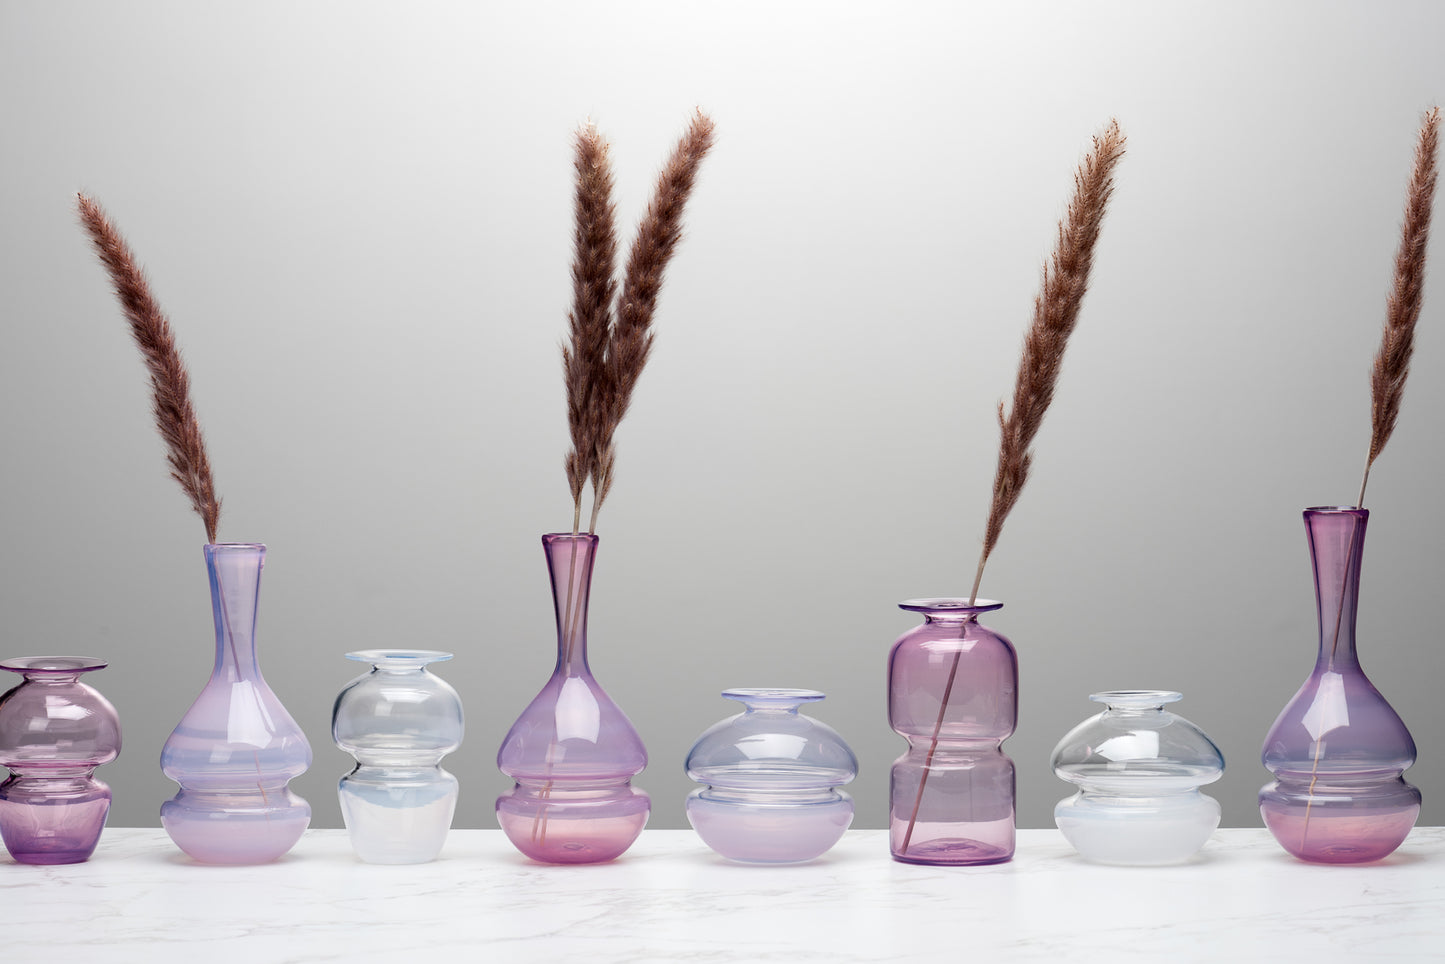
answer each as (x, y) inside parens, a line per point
(572, 752)
(1338, 751)
(54, 731)
(953, 695)
(236, 748)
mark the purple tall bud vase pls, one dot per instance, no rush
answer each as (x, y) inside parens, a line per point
(54, 731)
(236, 748)
(953, 695)
(1338, 751)
(572, 752)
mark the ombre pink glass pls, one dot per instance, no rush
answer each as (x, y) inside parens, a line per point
(236, 748)
(572, 752)
(1338, 751)
(953, 695)
(54, 731)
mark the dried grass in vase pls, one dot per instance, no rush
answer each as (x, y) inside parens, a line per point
(170, 382)
(608, 343)
(1056, 311)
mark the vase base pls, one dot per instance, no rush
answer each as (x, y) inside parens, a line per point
(1355, 837)
(555, 830)
(954, 852)
(234, 833)
(753, 834)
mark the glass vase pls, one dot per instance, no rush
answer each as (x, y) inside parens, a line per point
(772, 776)
(398, 721)
(1338, 751)
(236, 748)
(953, 695)
(572, 752)
(1138, 768)
(54, 731)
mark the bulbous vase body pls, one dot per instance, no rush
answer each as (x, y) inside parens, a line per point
(1338, 751)
(772, 776)
(54, 731)
(572, 752)
(236, 748)
(953, 695)
(398, 720)
(1138, 768)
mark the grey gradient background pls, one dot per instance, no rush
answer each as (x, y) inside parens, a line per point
(357, 215)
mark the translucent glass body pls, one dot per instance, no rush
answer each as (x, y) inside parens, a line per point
(236, 748)
(572, 752)
(54, 732)
(398, 720)
(953, 695)
(771, 776)
(1338, 751)
(1139, 769)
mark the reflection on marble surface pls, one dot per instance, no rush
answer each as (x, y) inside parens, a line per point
(670, 899)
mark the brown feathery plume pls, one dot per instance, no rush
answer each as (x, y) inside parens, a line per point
(590, 321)
(1402, 310)
(170, 384)
(657, 237)
(1056, 310)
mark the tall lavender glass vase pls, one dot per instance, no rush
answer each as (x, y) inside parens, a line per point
(1338, 751)
(953, 695)
(236, 748)
(54, 731)
(572, 752)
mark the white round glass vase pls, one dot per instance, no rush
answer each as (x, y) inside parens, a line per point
(1138, 768)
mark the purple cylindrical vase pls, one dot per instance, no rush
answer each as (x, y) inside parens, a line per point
(236, 748)
(54, 731)
(953, 695)
(1338, 751)
(572, 752)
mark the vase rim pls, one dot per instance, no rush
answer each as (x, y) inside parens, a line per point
(1337, 510)
(416, 657)
(232, 546)
(781, 695)
(53, 665)
(551, 537)
(949, 604)
(1136, 698)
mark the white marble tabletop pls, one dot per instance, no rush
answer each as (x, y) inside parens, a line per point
(671, 899)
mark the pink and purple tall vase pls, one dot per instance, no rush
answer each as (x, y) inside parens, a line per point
(572, 752)
(236, 748)
(1338, 751)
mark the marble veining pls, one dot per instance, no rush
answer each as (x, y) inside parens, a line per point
(671, 899)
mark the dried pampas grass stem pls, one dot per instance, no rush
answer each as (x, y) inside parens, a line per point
(590, 321)
(1056, 310)
(170, 384)
(657, 238)
(1402, 309)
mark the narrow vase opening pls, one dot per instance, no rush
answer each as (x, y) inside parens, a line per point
(1136, 700)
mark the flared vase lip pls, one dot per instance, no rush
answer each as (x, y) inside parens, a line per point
(403, 657)
(1136, 699)
(775, 695)
(53, 665)
(234, 546)
(551, 537)
(946, 605)
(1337, 510)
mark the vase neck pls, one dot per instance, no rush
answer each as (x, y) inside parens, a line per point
(569, 562)
(1337, 543)
(235, 571)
